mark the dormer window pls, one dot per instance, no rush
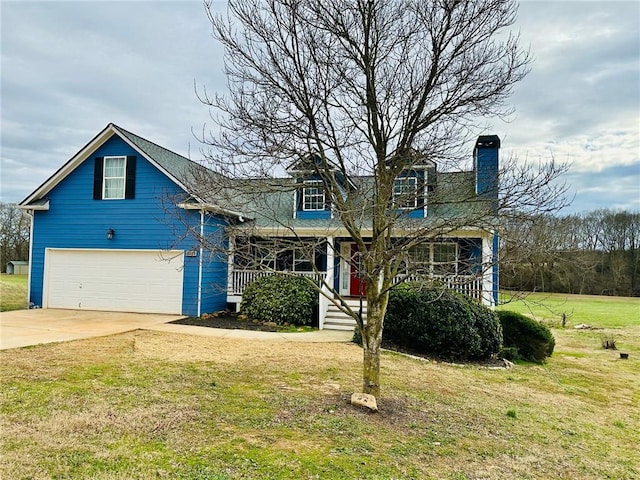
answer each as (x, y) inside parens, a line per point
(313, 197)
(405, 192)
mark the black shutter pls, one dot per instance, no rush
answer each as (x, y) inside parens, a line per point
(98, 171)
(130, 182)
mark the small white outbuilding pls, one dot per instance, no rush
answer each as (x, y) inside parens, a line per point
(18, 267)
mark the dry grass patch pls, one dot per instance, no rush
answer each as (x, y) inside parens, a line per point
(156, 405)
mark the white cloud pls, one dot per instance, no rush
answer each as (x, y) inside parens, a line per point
(69, 68)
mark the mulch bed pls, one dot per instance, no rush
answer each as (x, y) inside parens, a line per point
(226, 320)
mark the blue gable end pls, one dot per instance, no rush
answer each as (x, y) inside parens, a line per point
(149, 221)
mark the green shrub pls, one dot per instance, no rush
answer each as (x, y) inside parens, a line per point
(509, 353)
(357, 337)
(441, 323)
(533, 340)
(280, 299)
(488, 327)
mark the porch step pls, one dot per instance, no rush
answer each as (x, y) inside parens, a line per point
(337, 320)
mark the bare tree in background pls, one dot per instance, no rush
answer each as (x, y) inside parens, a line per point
(594, 253)
(365, 90)
(14, 234)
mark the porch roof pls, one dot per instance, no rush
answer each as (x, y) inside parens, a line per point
(269, 204)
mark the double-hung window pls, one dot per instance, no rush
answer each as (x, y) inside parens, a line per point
(313, 197)
(420, 258)
(445, 259)
(301, 260)
(405, 192)
(439, 259)
(114, 176)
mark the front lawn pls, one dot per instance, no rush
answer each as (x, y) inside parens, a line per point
(157, 405)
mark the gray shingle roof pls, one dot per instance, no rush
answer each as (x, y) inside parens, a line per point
(176, 165)
(271, 202)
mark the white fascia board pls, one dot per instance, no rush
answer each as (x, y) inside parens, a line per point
(42, 206)
(470, 232)
(209, 207)
(302, 232)
(68, 167)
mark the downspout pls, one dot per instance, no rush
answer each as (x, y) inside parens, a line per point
(32, 215)
(200, 262)
(230, 263)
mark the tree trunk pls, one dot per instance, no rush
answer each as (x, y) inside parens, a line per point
(371, 368)
(372, 341)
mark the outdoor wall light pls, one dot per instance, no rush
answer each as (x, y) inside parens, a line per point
(110, 234)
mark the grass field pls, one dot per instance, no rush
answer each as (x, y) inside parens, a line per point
(153, 405)
(600, 311)
(13, 292)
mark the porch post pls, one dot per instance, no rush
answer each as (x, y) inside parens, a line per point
(230, 262)
(323, 304)
(487, 271)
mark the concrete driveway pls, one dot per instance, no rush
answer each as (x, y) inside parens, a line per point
(21, 328)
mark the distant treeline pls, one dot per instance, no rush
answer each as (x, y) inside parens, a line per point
(596, 253)
(14, 234)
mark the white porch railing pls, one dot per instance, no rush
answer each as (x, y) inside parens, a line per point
(241, 278)
(467, 285)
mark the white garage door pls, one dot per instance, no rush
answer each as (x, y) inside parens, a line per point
(146, 281)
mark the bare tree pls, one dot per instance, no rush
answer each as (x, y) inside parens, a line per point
(14, 234)
(592, 253)
(356, 94)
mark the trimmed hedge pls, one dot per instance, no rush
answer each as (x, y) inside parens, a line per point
(441, 323)
(280, 299)
(532, 340)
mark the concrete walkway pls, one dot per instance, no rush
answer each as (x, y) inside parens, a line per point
(21, 328)
(316, 336)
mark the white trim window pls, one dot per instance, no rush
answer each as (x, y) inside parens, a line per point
(313, 198)
(420, 259)
(445, 259)
(115, 171)
(405, 192)
(437, 259)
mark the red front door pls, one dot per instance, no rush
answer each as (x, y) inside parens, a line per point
(357, 286)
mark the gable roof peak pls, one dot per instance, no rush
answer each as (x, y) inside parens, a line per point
(311, 162)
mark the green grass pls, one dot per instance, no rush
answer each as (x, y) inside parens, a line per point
(616, 318)
(599, 311)
(157, 405)
(13, 292)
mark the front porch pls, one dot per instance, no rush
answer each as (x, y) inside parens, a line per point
(330, 316)
(463, 263)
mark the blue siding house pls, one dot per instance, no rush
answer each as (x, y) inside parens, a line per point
(109, 233)
(119, 227)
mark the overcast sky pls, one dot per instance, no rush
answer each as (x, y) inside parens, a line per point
(70, 68)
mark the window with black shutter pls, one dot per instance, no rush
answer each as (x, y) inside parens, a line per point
(114, 177)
